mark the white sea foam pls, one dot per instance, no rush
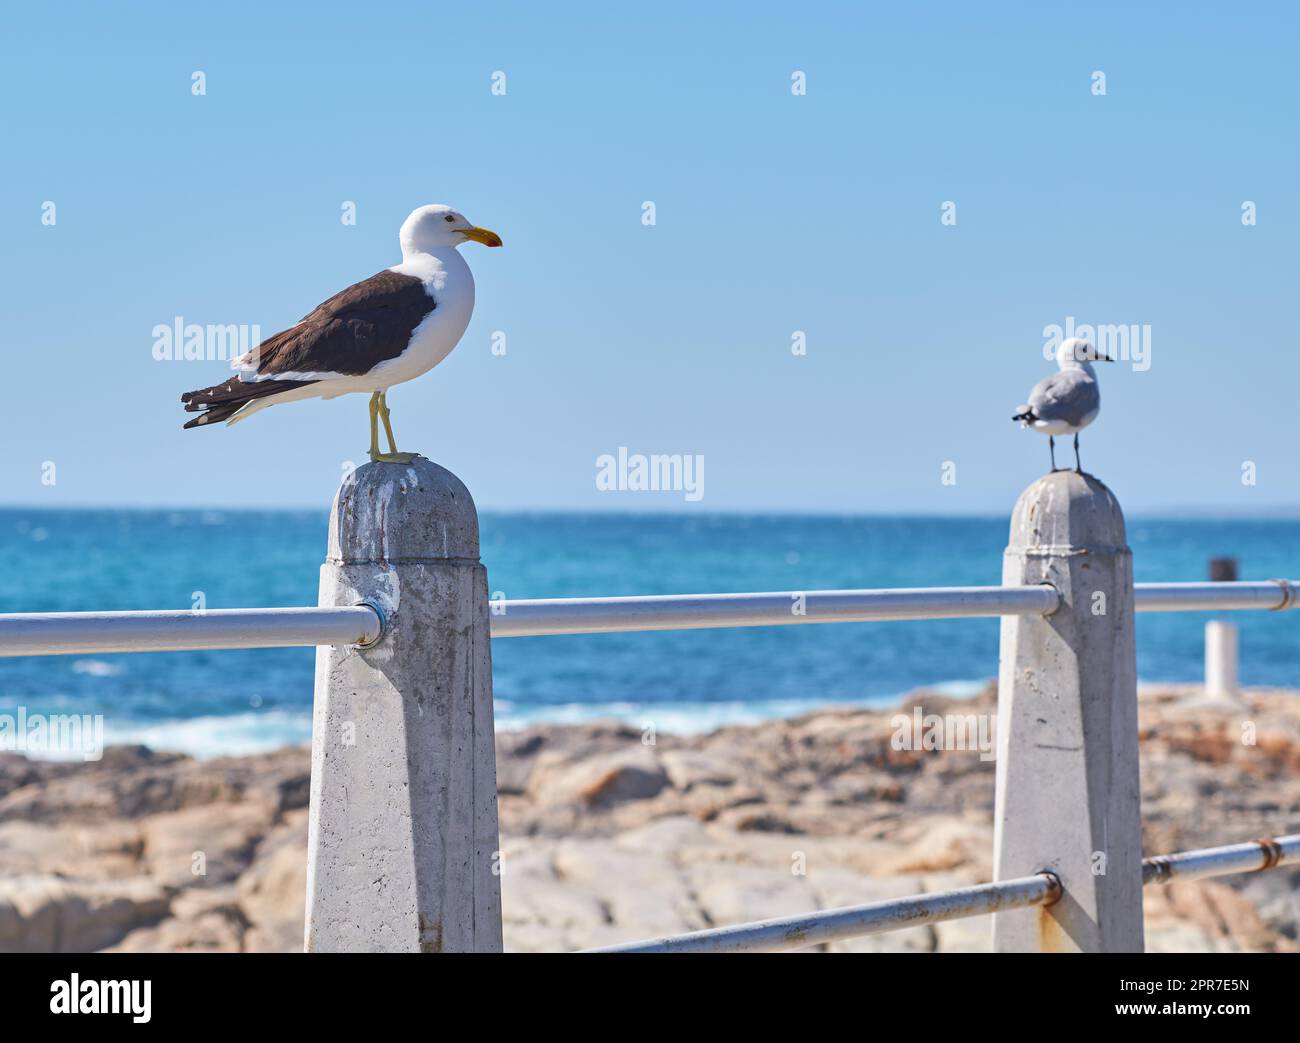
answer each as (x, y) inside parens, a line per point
(694, 717)
(246, 733)
(204, 737)
(96, 668)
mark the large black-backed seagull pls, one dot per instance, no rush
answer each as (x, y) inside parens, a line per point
(390, 328)
(1066, 402)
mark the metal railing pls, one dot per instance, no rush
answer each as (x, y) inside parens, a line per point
(92, 633)
(832, 925)
(87, 633)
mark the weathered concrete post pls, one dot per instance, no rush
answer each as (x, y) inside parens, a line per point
(402, 837)
(1068, 796)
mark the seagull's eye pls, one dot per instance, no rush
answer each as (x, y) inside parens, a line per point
(449, 218)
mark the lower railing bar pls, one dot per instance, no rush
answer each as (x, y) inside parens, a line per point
(93, 633)
(799, 932)
(1253, 856)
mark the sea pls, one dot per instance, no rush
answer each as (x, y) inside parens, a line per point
(229, 702)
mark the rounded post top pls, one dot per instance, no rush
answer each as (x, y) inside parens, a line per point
(402, 512)
(1065, 512)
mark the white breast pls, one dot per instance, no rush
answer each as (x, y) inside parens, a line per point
(448, 280)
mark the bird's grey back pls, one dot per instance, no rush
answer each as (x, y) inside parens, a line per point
(1070, 396)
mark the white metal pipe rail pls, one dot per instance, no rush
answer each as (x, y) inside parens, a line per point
(87, 633)
(1276, 595)
(1251, 857)
(704, 611)
(800, 932)
(782, 608)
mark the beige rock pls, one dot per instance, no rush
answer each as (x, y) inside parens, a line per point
(605, 840)
(204, 845)
(688, 768)
(272, 892)
(215, 930)
(945, 844)
(1225, 920)
(110, 850)
(46, 914)
(631, 774)
(737, 893)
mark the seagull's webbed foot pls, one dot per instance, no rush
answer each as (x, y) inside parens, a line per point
(392, 458)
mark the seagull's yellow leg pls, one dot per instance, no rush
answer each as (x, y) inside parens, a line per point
(379, 404)
(388, 427)
(374, 426)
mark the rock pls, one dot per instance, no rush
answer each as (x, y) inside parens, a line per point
(763, 820)
(607, 840)
(540, 911)
(601, 780)
(734, 893)
(272, 893)
(690, 768)
(201, 921)
(206, 845)
(108, 851)
(1221, 917)
(46, 914)
(944, 844)
(641, 891)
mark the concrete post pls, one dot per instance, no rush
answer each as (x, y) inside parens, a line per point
(1068, 795)
(402, 837)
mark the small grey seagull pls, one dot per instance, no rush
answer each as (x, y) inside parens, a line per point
(1066, 402)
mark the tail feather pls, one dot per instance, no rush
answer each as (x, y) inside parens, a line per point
(1025, 416)
(222, 401)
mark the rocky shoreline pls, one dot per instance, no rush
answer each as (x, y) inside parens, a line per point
(610, 834)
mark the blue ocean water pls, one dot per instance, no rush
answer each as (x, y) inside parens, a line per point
(236, 701)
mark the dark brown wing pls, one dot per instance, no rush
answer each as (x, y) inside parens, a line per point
(352, 332)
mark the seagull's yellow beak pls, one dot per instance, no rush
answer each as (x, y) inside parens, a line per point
(481, 235)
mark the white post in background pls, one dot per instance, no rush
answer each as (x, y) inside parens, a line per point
(402, 843)
(1068, 793)
(1221, 643)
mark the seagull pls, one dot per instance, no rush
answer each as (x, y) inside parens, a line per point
(390, 328)
(1066, 402)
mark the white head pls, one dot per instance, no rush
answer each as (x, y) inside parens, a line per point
(1077, 353)
(437, 226)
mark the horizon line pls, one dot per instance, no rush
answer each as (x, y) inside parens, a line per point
(1173, 512)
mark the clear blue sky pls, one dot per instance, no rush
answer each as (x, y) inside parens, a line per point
(775, 213)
